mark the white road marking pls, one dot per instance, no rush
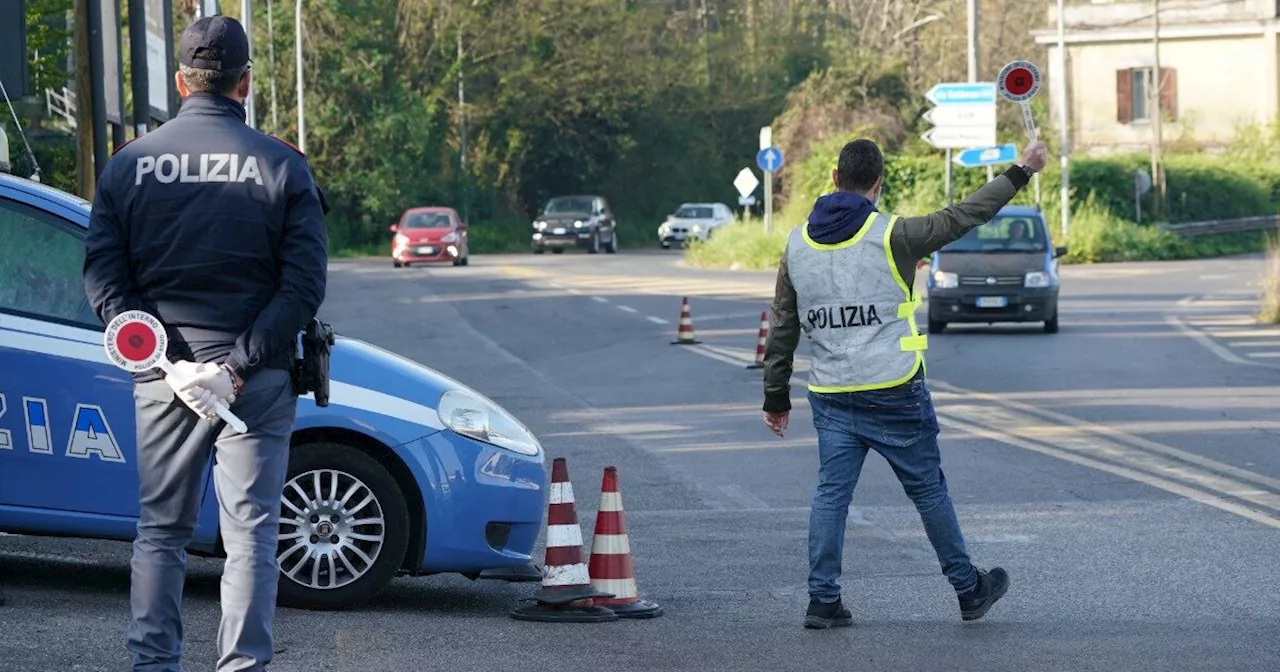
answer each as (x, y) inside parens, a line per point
(1263, 354)
(627, 309)
(599, 299)
(656, 320)
(1222, 353)
(1254, 344)
(1153, 481)
(747, 500)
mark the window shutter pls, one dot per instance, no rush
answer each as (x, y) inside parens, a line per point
(1169, 93)
(1124, 96)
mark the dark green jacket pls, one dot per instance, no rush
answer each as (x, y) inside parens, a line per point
(913, 238)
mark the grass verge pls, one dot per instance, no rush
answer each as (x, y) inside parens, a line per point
(1096, 236)
(1270, 297)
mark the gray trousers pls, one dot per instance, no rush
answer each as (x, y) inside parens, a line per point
(174, 445)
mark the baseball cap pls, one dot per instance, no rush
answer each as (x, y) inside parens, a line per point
(214, 43)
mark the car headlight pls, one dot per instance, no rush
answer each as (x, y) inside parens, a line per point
(451, 237)
(578, 224)
(478, 418)
(697, 229)
(1038, 279)
(539, 225)
(944, 280)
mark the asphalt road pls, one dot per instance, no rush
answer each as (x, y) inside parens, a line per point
(1125, 472)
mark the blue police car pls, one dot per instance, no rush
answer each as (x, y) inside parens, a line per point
(406, 471)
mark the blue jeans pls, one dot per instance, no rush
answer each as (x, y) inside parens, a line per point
(900, 424)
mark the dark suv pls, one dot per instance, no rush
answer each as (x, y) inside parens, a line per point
(575, 221)
(1003, 271)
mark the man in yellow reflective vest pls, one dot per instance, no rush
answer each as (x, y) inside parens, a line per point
(845, 280)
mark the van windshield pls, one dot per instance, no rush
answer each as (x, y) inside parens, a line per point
(1005, 233)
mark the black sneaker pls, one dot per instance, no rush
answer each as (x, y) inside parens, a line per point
(991, 587)
(823, 615)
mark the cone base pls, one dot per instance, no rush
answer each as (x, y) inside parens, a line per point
(692, 342)
(637, 609)
(544, 614)
(568, 594)
(755, 366)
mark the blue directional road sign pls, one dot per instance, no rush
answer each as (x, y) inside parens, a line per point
(769, 159)
(986, 156)
(950, 93)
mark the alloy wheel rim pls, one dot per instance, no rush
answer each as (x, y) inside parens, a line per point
(332, 529)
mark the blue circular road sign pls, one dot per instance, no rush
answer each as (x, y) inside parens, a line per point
(769, 159)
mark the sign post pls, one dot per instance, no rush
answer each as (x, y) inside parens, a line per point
(136, 341)
(770, 160)
(964, 117)
(745, 183)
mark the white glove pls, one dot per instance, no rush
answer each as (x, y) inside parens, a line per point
(198, 399)
(213, 378)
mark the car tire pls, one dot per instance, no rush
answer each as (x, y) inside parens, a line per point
(353, 469)
(466, 261)
(937, 327)
(612, 247)
(397, 264)
(1051, 326)
(557, 250)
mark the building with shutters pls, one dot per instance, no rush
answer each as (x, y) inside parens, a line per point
(1218, 70)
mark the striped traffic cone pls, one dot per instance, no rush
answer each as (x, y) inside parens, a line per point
(760, 341)
(610, 563)
(566, 594)
(684, 334)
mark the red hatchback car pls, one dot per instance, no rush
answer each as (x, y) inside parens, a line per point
(429, 234)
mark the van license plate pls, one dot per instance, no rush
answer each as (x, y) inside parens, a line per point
(992, 302)
(557, 232)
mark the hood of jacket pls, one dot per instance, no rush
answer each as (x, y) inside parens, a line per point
(836, 217)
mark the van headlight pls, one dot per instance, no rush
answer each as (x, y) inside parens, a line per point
(945, 280)
(1038, 279)
(478, 418)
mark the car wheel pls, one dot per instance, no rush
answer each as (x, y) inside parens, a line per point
(539, 250)
(1051, 326)
(665, 246)
(595, 244)
(397, 264)
(557, 250)
(936, 327)
(340, 491)
(612, 247)
(466, 261)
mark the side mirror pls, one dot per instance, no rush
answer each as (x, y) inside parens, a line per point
(1060, 251)
(393, 228)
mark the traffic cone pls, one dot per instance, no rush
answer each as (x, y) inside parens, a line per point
(610, 564)
(760, 341)
(684, 334)
(566, 594)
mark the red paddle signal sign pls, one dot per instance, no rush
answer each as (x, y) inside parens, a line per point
(136, 341)
(1018, 81)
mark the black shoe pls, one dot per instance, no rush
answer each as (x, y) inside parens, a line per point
(823, 615)
(991, 587)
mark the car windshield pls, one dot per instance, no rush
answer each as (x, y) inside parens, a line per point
(428, 220)
(693, 212)
(1005, 233)
(561, 205)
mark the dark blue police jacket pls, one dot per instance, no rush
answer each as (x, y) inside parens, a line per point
(215, 228)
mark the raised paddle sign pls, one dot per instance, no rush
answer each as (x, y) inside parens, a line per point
(136, 341)
(1019, 82)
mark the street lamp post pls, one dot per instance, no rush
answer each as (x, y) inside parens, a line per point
(297, 47)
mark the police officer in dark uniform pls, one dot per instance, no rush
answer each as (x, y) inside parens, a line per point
(218, 230)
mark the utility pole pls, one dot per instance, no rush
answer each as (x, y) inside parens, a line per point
(297, 47)
(246, 18)
(271, 64)
(462, 123)
(973, 40)
(1157, 116)
(1063, 131)
(138, 66)
(97, 99)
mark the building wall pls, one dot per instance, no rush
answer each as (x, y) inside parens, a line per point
(1220, 83)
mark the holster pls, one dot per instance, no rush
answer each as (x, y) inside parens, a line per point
(311, 370)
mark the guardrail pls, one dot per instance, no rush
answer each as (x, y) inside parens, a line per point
(1224, 226)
